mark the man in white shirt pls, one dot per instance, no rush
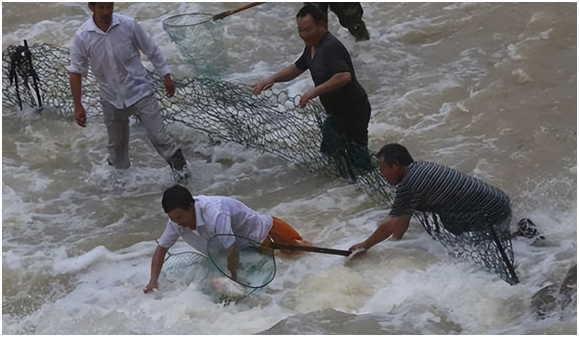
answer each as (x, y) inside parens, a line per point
(198, 219)
(111, 43)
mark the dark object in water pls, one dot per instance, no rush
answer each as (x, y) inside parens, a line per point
(528, 229)
(21, 64)
(554, 298)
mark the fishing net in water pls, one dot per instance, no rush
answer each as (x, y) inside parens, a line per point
(489, 247)
(200, 41)
(192, 267)
(186, 266)
(242, 260)
(271, 122)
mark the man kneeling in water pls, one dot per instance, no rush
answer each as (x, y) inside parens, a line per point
(198, 219)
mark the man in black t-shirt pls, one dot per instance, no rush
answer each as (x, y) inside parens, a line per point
(345, 132)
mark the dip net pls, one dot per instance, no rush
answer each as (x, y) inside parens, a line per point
(272, 123)
(199, 38)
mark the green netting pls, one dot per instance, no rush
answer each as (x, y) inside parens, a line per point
(192, 267)
(186, 266)
(200, 41)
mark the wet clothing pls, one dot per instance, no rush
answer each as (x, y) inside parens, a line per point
(114, 58)
(226, 215)
(350, 16)
(345, 131)
(462, 202)
(148, 111)
(349, 105)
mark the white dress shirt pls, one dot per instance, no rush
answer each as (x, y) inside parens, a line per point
(219, 215)
(115, 59)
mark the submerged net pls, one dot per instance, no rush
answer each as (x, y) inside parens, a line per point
(271, 122)
(192, 267)
(488, 247)
(242, 260)
(186, 266)
(200, 41)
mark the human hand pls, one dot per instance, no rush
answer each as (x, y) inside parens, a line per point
(358, 247)
(151, 287)
(169, 85)
(80, 115)
(263, 85)
(305, 98)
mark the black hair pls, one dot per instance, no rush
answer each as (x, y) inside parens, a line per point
(315, 12)
(392, 153)
(177, 197)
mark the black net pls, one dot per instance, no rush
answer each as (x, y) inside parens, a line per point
(224, 111)
(200, 41)
(489, 246)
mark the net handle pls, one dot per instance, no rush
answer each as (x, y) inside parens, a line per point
(225, 14)
(313, 249)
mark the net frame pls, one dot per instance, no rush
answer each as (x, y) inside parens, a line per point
(252, 259)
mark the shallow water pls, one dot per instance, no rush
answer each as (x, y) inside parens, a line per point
(487, 88)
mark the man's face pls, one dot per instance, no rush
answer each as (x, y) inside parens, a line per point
(392, 173)
(309, 31)
(103, 12)
(184, 218)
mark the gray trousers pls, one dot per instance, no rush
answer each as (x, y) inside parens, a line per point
(148, 112)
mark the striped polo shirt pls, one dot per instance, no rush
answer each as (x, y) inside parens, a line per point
(462, 202)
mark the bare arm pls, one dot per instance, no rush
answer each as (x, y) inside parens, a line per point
(287, 74)
(233, 260)
(76, 90)
(395, 227)
(334, 83)
(156, 265)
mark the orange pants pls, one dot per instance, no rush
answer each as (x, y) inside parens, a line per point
(282, 232)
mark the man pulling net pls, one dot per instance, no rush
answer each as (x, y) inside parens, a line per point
(462, 212)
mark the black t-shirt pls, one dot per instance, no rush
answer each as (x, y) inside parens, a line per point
(332, 58)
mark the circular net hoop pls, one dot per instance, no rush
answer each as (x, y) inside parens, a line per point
(199, 38)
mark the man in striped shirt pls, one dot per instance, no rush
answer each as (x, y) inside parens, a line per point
(464, 204)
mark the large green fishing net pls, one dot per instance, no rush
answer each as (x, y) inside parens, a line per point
(271, 122)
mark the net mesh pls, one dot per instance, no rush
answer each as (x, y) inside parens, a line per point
(242, 260)
(186, 266)
(200, 41)
(489, 247)
(271, 122)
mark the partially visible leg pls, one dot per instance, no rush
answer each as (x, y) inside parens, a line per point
(117, 123)
(350, 16)
(148, 111)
